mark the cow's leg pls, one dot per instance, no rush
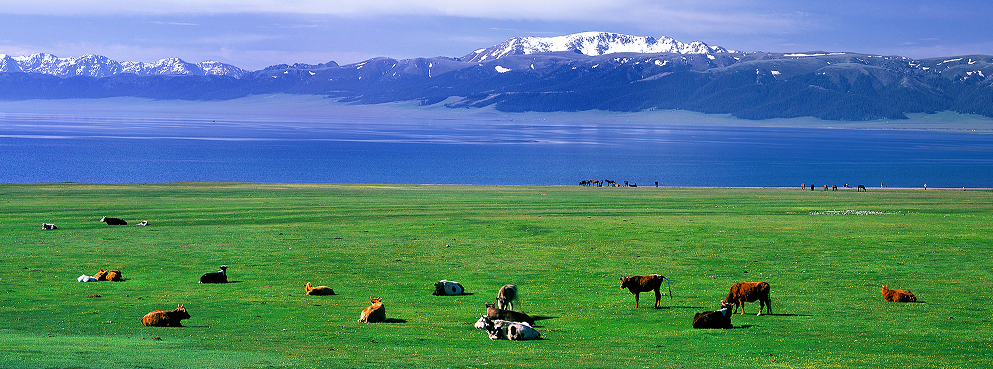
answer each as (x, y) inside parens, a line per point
(636, 300)
(742, 303)
(658, 298)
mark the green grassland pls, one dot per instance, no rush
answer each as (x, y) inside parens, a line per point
(565, 247)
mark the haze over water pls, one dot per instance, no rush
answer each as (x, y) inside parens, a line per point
(101, 145)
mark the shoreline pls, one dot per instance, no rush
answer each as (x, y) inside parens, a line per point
(316, 109)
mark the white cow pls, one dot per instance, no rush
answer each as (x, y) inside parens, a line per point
(86, 278)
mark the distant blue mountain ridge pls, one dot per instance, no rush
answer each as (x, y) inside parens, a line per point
(585, 71)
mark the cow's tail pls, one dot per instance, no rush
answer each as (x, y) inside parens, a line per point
(667, 285)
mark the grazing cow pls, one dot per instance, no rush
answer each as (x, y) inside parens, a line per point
(898, 295)
(714, 319)
(86, 278)
(101, 275)
(834, 187)
(319, 290)
(143, 223)
(162, 318)
(447, 288)
(743, 292)
(502, 329)
(115, 276)
(644, 283)
(494, 312)
(375, 313)
(48, 226)
(506, 296)
(861, 188)
(216, 277)
(113, 221)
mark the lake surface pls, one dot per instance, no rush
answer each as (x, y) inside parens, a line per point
(409, 150)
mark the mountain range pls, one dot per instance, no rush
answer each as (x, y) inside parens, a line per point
(585, 71)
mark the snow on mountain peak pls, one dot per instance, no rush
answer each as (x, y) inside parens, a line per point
(591, 43)
(101, 66)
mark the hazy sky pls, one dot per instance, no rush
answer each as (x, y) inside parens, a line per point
(253, 34)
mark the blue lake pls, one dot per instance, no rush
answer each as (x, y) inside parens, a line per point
(412, 151)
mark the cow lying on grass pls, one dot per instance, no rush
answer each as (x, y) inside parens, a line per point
(447, 288)
(898, 295)
(494, 312)
(48, 226)
(319, 290)
(162, 318)
(216, 277)
(714, 319)
(743, 292)
(115, 276)
(113, 221)
(103, 275)
(507, 330)
(375, 313)
(644, 283)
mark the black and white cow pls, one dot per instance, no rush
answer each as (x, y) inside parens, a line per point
(715, 319)
(113, 221)
(48, 226)
(507, 330)
(216, 277)
(448, 288)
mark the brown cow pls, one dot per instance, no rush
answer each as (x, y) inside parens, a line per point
(743, 292)
(162, 318)
(898, 295)
(115, 276)
(494, 312)
(319, 290)
(506, 296)
(375, 313)
(101, 275)
(644, 283)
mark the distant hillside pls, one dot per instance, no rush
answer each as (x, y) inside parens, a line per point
(834, 86)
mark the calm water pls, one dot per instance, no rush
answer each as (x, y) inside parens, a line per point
(495, 153)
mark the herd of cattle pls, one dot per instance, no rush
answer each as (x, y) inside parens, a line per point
(501, 320)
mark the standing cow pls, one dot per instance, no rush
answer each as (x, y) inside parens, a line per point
(743, 292)
(506, 296)
(644, 283)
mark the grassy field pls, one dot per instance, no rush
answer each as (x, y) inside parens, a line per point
(565, 247)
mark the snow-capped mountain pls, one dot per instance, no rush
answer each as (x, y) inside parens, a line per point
(101, 66)
(592, 44)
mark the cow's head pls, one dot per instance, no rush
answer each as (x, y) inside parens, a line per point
(376, 300)
(624, 282)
